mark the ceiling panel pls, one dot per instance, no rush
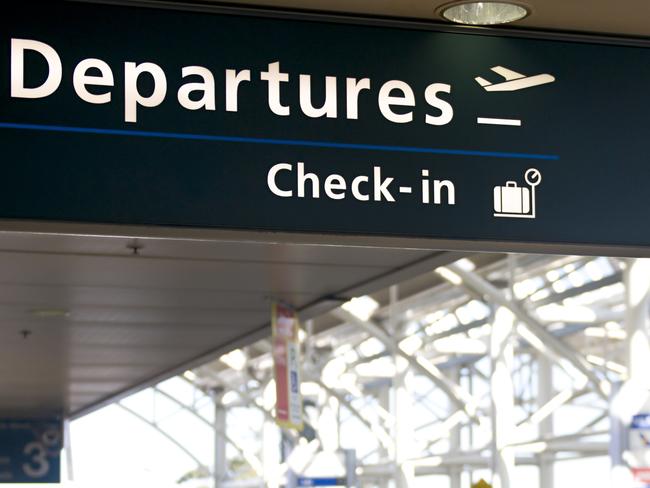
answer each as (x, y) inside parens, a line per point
(143, 272)
(32, 295)
(203, 250)
(117, 319)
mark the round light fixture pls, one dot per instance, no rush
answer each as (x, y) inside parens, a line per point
(484, 13)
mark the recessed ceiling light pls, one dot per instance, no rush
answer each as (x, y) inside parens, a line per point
(484, 13)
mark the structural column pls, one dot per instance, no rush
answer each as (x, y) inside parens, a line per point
(404, 472)
(67, 445)
(455, 470)
(502, 391)
(403, 431)
(637, 285)
(632, 396)
(544, 395)
(220, 468)
(384, 398)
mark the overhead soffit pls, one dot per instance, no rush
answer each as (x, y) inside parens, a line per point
(131, 319)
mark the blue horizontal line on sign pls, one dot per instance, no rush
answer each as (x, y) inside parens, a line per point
(279, 142)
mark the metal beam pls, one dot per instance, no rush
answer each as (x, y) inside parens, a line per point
(378, 430)
(463, 400)
(572, 292)
(547, 343)
(252, 460)
(170, 438)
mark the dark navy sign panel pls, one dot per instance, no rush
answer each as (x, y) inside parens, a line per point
(30, 450)
(428, 134)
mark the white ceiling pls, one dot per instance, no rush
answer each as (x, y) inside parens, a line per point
(133, 318)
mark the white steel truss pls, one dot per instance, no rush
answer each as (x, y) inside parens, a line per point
(487, 357)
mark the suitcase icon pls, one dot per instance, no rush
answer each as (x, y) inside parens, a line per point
(517, 201)
(511, 199)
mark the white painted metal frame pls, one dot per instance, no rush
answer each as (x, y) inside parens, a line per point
(524, 355)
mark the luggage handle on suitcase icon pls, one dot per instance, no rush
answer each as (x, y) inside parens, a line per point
(512, 184)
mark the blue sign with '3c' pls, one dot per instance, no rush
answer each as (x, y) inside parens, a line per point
(30, 450)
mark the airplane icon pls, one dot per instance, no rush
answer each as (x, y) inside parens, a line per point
(514, 81)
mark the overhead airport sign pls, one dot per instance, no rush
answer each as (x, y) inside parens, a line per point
(30, 450)
(162, 117)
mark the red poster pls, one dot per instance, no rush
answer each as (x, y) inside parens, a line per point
(286, 360)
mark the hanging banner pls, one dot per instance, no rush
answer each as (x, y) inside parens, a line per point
(30, 450)
(286, 361)
(300, 126)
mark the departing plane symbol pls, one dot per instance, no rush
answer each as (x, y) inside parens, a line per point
(513, 81)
